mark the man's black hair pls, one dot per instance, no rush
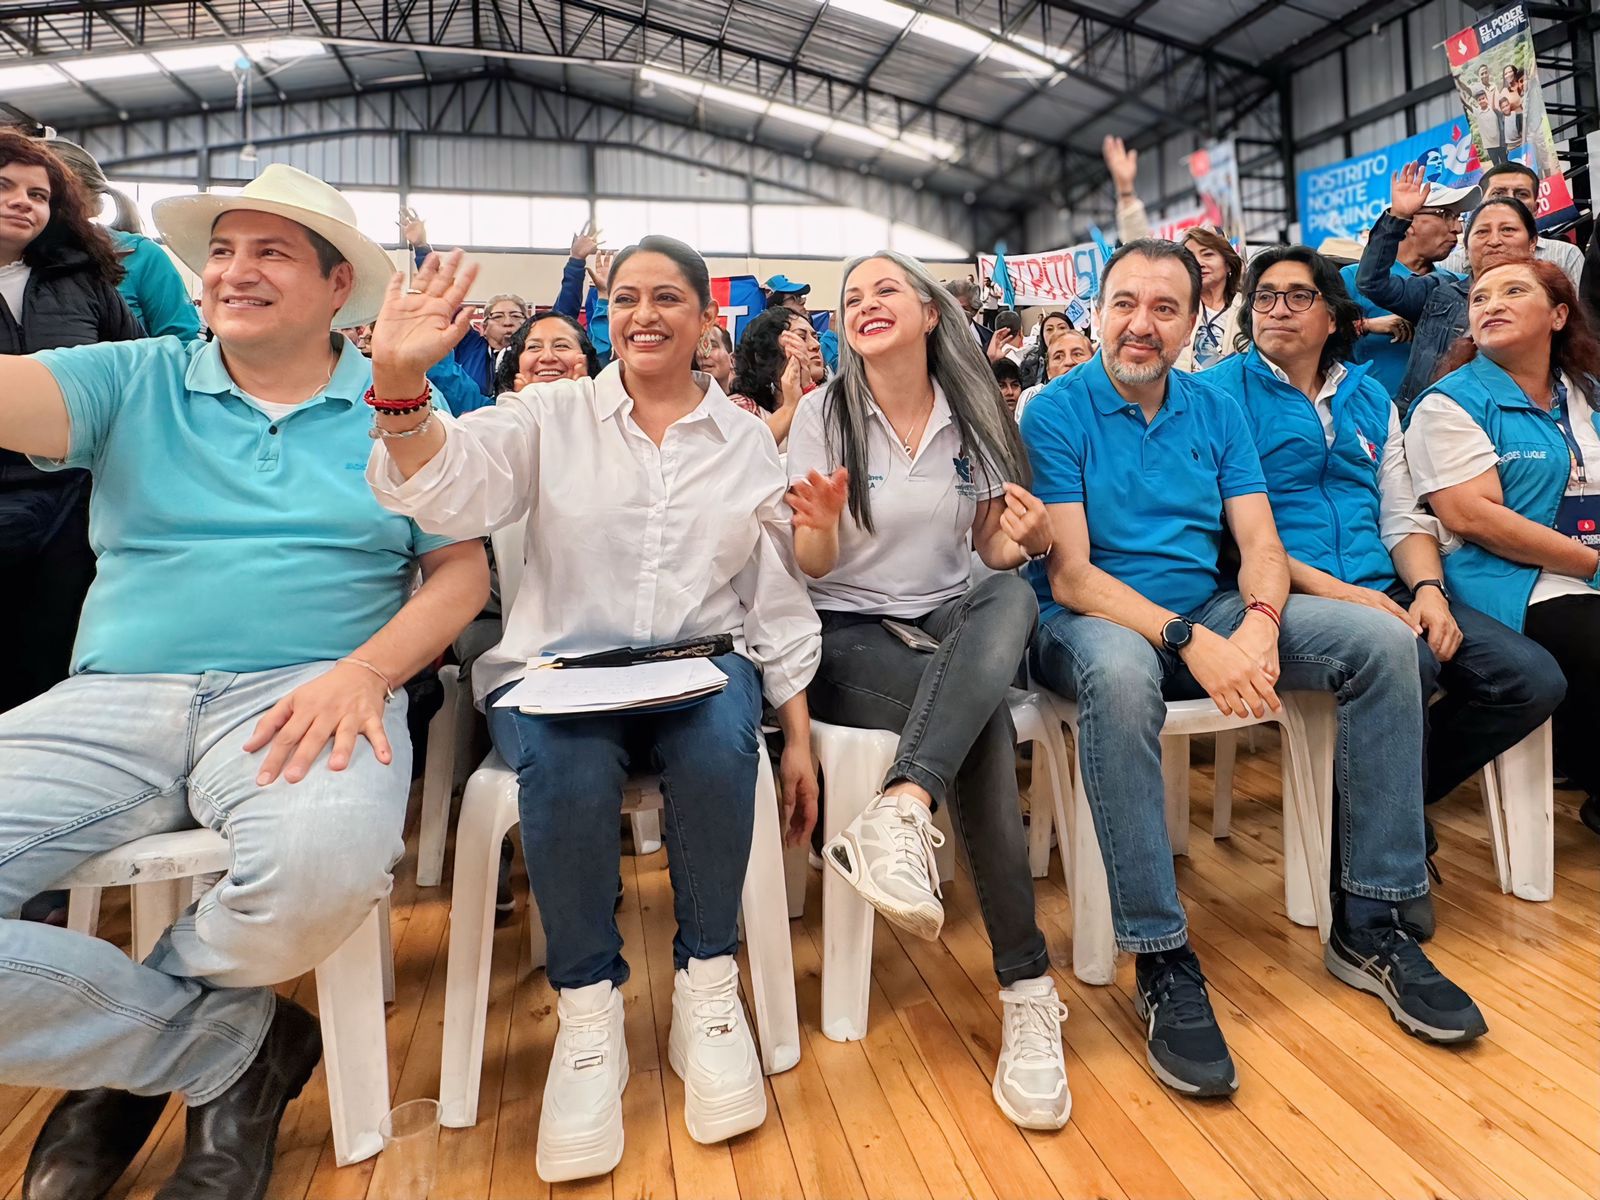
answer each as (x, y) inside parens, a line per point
(1326, 279)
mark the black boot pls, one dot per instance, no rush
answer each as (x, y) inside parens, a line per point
(230, 1141)
(87, 1143)
(1589, 814)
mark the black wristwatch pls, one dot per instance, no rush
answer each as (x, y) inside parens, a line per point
(1422, 583)
(1176, 634)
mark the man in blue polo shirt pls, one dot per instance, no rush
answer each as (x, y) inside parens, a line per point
(1142, 469)
(1334, 459)
(238, 665)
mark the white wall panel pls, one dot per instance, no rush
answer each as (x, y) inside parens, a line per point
(500, 165)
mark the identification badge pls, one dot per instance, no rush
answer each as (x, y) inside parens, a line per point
(1579, 519)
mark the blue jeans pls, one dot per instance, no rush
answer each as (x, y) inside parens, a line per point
(100, 760)
(571, 771)
(1121, 684)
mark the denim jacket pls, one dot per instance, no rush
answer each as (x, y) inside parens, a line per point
(1435, 304)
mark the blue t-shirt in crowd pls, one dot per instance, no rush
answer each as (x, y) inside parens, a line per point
(1151, 493)
(225, 539)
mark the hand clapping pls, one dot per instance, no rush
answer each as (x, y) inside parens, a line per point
(818, 499)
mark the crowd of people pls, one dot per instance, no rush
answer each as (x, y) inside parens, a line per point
(229, 553)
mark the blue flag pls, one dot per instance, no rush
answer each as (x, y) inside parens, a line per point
(1002, 276)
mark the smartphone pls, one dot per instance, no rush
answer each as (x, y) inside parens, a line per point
(916, 638)
(1010, 319)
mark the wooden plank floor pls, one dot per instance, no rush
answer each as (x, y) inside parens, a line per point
(1334, 1100)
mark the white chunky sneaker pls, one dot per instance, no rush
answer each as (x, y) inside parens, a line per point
(887, 855)
(1030, 1081)
(580, 1125)
(712, 1051)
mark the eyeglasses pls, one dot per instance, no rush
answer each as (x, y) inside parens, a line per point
(1444, 214)
(1298, 299)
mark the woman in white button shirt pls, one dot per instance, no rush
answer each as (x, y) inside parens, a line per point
(1506, 450)
(900, 463)
(654, 513)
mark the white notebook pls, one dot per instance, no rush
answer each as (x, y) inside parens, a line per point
(611, 689)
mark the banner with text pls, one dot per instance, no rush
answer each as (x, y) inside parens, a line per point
(1498, 79)
(1344, 199)
(1216, 177)
(1054, 278)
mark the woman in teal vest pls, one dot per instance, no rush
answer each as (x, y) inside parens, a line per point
(1506, 450)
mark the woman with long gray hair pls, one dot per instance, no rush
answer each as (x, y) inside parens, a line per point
(892, 467)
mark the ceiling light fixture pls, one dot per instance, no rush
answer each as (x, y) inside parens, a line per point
(1024, 53)
(910, 145)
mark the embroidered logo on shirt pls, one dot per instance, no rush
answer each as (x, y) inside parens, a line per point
(1515, 455)
(964, 487)
(1367, 444)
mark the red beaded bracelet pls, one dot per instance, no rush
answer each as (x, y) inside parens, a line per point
(399, 407)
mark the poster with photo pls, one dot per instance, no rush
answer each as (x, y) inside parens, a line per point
(1215, 169)
(1497, 77)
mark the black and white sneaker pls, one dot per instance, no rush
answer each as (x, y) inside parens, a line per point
(1382, 957)
(1183, 1042)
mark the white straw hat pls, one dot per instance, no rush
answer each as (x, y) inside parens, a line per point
(185, 222)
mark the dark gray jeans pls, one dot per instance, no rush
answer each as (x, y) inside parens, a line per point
(956, 737)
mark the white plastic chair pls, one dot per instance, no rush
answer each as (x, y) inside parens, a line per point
(488, 811)
(1519, 800)
(853, 763)
(1308, 725)
(450, 735)
(352, 982)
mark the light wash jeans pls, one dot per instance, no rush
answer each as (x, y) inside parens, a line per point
(1121, 683)
(100, 760)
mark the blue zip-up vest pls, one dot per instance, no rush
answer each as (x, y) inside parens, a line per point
(1324, 498)
(1534, 468)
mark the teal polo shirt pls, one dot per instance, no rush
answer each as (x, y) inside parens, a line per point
(225, 540)
(1151, 493)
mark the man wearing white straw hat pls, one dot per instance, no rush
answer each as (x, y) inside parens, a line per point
(238, 665)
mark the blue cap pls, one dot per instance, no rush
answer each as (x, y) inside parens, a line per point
(786, 286)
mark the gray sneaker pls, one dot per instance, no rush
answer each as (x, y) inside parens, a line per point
(887, 855)
(1030, 1080)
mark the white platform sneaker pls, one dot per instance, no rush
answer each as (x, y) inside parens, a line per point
(887, 855)
(712, 1051)
(1030, 1081)
(580, 1125)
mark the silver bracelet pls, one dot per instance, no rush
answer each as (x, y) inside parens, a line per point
(388, 692)
(378, 431)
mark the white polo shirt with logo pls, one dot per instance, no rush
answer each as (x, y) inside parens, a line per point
(922, 506)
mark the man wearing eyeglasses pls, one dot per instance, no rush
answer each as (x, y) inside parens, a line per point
(1143, 469)
(1334, 460)
(1385, 338)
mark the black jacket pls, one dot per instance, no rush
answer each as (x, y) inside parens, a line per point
(67, 303)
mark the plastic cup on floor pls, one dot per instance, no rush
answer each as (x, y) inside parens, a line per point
(410, 1158)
